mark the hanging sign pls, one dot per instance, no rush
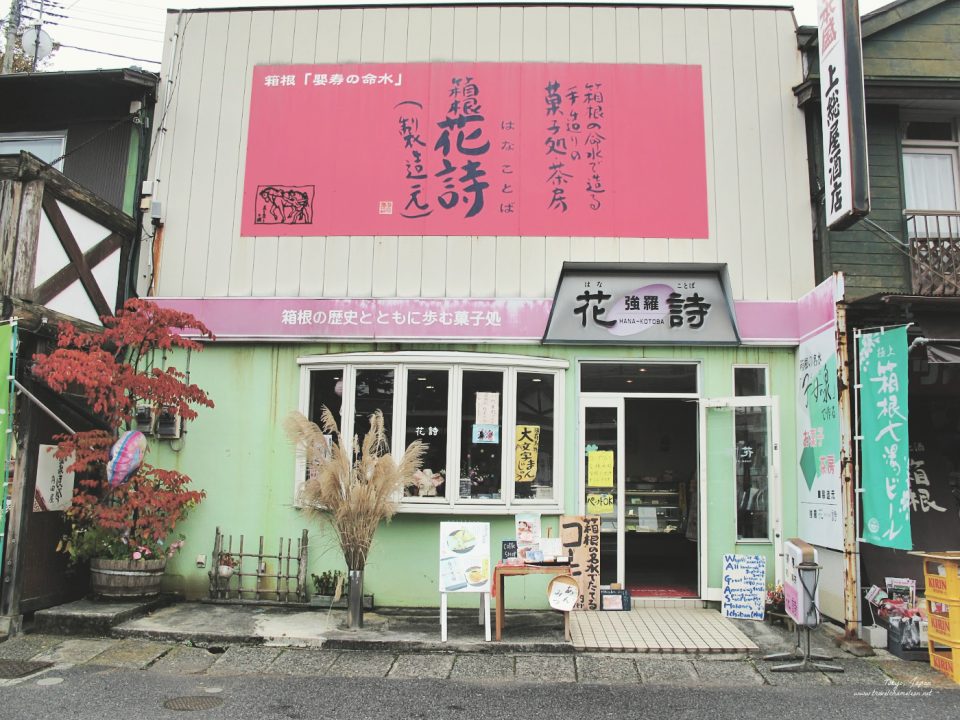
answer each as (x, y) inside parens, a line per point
(843, 117)
(464, 557)
(580, 536)
(506, 149)
(54, 489)
(819, 430)
(488, 408)
(600, 468)
(884, 450)
(7, 343)
(623, 303)
(528, 447)
(744, 586)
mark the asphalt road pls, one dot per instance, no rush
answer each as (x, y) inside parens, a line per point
(89, 692)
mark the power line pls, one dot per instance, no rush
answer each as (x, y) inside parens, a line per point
(103, 52)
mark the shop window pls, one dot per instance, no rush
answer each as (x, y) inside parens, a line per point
(749, 381)
(931, 178)
(752, 442)
(491, 429)
(426, 420)
(638, 378)
(534, 438)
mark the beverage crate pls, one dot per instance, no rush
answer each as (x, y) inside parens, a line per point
(945, 659)
(941, 574)
(943, 619)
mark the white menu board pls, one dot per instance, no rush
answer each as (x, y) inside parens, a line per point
(465, 557)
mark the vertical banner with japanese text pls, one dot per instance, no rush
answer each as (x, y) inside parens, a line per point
(580, 537)
(885, 447)
(7, 341)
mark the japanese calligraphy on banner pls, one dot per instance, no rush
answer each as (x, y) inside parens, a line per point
(476, 149)
(580, 537)
(884, 450)
(527, 450)
(7, 341)
(600, 303)
(54, 488)
(820, 494)
(843, 118)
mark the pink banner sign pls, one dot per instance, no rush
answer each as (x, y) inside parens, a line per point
(428, 320)
(476, 149)
(387, 319)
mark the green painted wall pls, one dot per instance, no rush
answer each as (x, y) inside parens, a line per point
(238, 454)
(926, 45)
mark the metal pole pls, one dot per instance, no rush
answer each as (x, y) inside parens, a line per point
(851, 555)
(13, 24)
(857, 440)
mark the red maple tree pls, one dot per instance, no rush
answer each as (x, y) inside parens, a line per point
(116, 371)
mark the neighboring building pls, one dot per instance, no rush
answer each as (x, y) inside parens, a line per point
(902, 263)
(295, 143)
(73, 147)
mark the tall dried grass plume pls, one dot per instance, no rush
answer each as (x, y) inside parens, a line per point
(353, 491)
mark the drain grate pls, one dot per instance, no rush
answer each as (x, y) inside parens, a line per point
(11, 669)
(193, 702)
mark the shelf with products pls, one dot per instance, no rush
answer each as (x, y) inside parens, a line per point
(654, 507)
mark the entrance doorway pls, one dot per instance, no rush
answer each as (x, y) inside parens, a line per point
(640, 473)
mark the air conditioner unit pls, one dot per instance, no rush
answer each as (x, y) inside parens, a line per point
(168, 423)
(145, 419)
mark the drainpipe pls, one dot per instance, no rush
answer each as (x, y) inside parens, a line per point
(851, 549)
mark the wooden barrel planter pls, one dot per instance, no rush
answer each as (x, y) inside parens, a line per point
(126, 579)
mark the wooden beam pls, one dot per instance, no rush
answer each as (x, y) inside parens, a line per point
(62, 229)
(28, 232)
(61, 280)
(40, 320)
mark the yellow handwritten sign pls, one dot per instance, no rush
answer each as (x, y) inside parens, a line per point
(600, 468)
(528, 447)
(600, 504)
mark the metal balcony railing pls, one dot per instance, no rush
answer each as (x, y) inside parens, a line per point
(934, 237)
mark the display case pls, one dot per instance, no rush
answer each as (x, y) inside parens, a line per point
(653, 507)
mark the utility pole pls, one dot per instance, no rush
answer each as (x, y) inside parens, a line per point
(13, 24)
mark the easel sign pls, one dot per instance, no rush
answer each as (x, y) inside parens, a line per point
(744, 586)
(465, 567)
(464, 557)
(580, 536)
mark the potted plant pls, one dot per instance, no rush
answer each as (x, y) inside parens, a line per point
(226, 565)
(353, 490)
(124, 511)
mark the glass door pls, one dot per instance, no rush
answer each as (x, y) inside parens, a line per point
(601, 473)
(742, 437)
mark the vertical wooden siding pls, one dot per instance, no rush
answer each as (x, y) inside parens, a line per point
(756, 154)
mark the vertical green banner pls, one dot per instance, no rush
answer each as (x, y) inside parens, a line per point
(885, 448)
(7, 331)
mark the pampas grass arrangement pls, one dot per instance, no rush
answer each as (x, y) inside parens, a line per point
(355, 491)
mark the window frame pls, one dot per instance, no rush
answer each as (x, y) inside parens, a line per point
(60, 135)
(936, 147)
(749, 366)
(456, 363)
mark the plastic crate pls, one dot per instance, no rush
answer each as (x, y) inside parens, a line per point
(941, 575)
(943, 621)
(945, 659)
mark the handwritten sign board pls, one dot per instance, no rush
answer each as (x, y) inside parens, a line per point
(528, 447)
(464, 557)
(508, 149)
(580, 535)
(600, 503)
(488, 408)
(600, 468)
(508, 549)
(744, 586)
(54, 490)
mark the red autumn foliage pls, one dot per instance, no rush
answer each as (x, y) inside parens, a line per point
(115, 371)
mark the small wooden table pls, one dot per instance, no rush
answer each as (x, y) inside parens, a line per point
(502, 571)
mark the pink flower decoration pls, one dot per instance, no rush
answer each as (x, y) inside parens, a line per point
(137, 555)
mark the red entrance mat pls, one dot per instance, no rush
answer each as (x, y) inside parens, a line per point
(664, 591)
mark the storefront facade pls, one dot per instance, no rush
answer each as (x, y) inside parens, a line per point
(672, 414)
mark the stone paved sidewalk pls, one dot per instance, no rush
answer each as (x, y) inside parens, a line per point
(715, 670)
